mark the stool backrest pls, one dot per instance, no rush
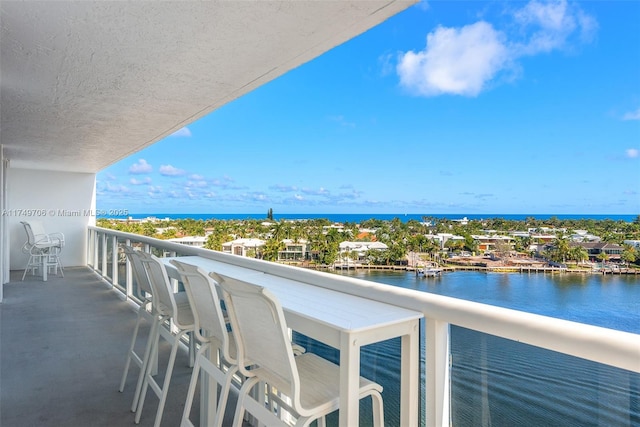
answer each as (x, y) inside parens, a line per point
(162, 293)
(38, 228)
(206, 305)
(139, 272)
(31, 238)
(260, 329)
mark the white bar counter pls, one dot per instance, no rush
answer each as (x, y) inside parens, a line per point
(345, 322)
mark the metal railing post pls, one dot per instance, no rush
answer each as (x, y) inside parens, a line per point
(114, 260)
(129, 273)
(104, 255)
(437, 372)
(90, 248)
(95, 250)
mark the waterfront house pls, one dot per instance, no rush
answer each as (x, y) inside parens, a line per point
(495, 242)
(443, 238)
(356, 252)
(294, 250)
(336, 226)
(244, 247)
(520, 234)
(86, 84)
(196, 241)
(594, 249)
(583, 236)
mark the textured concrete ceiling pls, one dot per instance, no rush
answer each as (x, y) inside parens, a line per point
(87, 83)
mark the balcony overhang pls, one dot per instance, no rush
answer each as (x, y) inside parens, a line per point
(85, 84)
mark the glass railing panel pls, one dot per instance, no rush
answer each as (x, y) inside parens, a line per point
(122, 264)
(109, 249)
(495, 381)
(379, 362)
(160, 253)
(100, 249)
(134, 281)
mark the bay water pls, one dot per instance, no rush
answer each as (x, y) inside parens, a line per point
(498, 382)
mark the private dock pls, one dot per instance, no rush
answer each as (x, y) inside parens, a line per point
(492, 269)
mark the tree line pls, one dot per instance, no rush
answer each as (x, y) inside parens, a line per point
(400, 237)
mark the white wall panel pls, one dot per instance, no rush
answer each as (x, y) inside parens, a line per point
(61, 201)
(4, 241)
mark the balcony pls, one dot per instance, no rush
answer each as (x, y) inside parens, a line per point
(63, 348)
(64, 118)
(64, 341)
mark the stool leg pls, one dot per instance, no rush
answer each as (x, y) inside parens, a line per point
(131, 353)
(378, 409)
(153, 335)
(192, 386)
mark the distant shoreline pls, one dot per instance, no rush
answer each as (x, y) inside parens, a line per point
(360, 217)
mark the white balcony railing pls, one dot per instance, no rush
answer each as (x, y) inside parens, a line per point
(606, 346)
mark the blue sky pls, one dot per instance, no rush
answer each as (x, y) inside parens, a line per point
(448, 107)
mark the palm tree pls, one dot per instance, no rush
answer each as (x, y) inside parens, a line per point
(431, 248)
(278, 232)
(271, 249)
(603, 257)
(470, 243)
(578, 254)
(561, 248)
(629, 254)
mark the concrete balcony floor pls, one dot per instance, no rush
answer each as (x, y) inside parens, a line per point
(63, 345)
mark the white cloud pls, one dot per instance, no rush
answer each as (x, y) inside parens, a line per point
(553, 22)
(168, 170)
(319, 192)
(199, 184)
(463, 61)
(632, 115)
(183, 132)
(386, 64)
(196, 177)
(632, 153)
(155, 192)
(423, 4)
(352, 195)
(141, 166)
(225, 182)
(454, 61)
(115, 188)
(283, 188)
(134, 181)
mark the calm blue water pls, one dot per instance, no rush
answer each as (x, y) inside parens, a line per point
(357, 218)
(497, 382)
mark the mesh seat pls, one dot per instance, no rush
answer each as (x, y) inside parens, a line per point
(310, 382)
(43, 249)
(146, 312)
(211, 332)
(167, 308)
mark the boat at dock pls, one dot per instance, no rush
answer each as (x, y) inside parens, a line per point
(428, 271)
